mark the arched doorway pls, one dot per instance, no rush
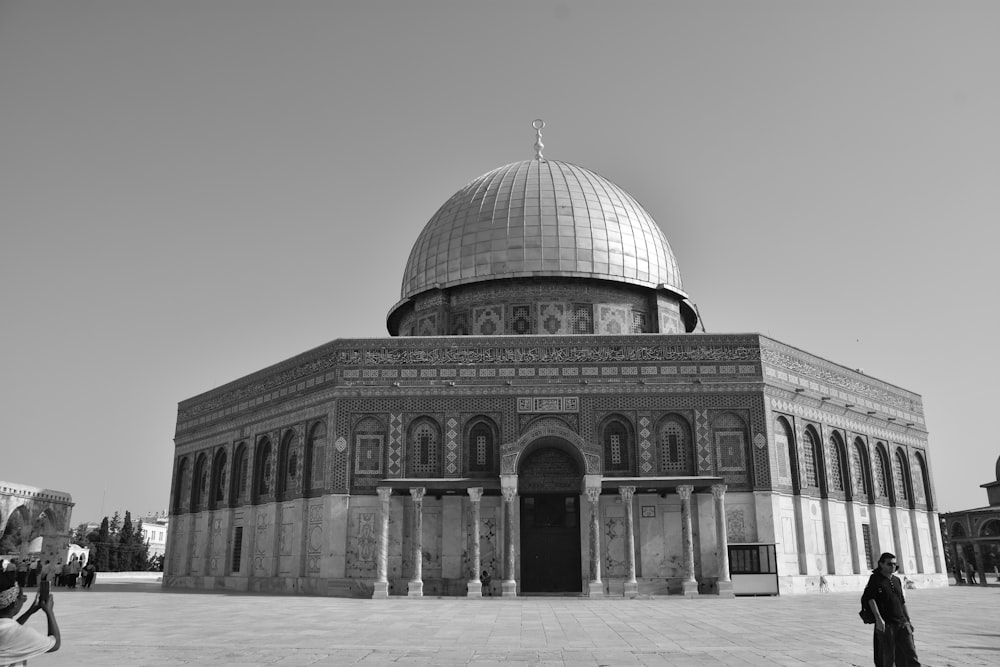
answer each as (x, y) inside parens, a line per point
(549, 482)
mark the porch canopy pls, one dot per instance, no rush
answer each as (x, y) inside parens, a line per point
(661, 485)
(439, 486)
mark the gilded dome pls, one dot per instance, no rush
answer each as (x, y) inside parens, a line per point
(538, 218)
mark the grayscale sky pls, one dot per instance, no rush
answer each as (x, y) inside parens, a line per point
(193, 190)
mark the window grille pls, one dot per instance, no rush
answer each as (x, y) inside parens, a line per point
(900, 477)
(858, 469)
(881, 481)
(237, 549)
(836, 474)
(809, 476)
(674, 445)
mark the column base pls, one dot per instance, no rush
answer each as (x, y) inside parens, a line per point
(689, 589)
(415, 589)
(474, 589)
(725, 589)
(509, 589)
(631, 589)
(595, 589)
(380, 590)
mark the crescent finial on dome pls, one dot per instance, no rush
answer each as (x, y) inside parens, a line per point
(538, 124)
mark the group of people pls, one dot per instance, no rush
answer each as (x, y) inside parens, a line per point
(29, 572)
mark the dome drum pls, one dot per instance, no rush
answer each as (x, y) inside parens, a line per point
(539, 306)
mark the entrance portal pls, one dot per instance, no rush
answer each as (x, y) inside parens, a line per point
(549, 481)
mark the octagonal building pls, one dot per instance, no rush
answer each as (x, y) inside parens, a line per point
(545, 413)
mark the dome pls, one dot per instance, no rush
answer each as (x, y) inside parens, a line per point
(540, 218)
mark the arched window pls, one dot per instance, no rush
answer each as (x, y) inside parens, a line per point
(784, 444)
(957, 530)
(263, 471)
(859, 470)
(369, 439)
(199, 494)
(290, 473)
(810, 476)
(617, 445)
(990, 528)
(881, 472)
(238, 485)
(181, 483)
(731, 448)
(481, 446)
(219, 479)
(835, 452)
(900, 477)
(425, 448)
(315, 469)
(676, 451)
(922, 485)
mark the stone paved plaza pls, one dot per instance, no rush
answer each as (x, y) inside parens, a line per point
(138, 623)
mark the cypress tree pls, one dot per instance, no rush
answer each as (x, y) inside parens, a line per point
(104, 541)
(126, 544)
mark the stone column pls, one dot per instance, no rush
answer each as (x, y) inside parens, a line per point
(475, 586)
(690, 584)
(509, 585)
(381, 586)
(722, 540)
(977, 552)
(918, 552)
(956, 564)
(852, 531)
(596, 586)
(416, 585)
(631, 585)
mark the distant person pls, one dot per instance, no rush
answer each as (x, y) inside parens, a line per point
(970, 573)
(17, 642)
(893, 641)
(74, 573)
(486, 579)
(89, 574)
(34, 573)
(22, 572)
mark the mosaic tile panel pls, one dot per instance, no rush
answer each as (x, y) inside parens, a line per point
(646, 462)
(452, 464)
(395, 463)
(703, 441)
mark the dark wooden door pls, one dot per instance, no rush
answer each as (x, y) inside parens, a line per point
(550, 544)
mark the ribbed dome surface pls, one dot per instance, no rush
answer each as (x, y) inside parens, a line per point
(540, 218)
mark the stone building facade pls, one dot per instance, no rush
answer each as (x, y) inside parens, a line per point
(545, 412)
(972, 538)
(35, 521)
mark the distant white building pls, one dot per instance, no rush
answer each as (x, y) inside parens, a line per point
(154, 531)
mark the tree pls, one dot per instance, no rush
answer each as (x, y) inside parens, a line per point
(103, 559)
(80, 536)
(126, 543)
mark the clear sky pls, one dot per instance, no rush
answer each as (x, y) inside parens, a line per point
(193, 190)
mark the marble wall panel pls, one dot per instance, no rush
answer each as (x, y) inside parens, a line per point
(614, 538)
(336, 527)
(362, 538)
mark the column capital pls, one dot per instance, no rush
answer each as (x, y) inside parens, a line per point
(626, 492)
(509, 494)
(719, 491)
(593, 493)
(384, 492)
(685, 491)
(475, 493)
(417, 493)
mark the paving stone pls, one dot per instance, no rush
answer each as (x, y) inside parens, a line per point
(142, 624)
